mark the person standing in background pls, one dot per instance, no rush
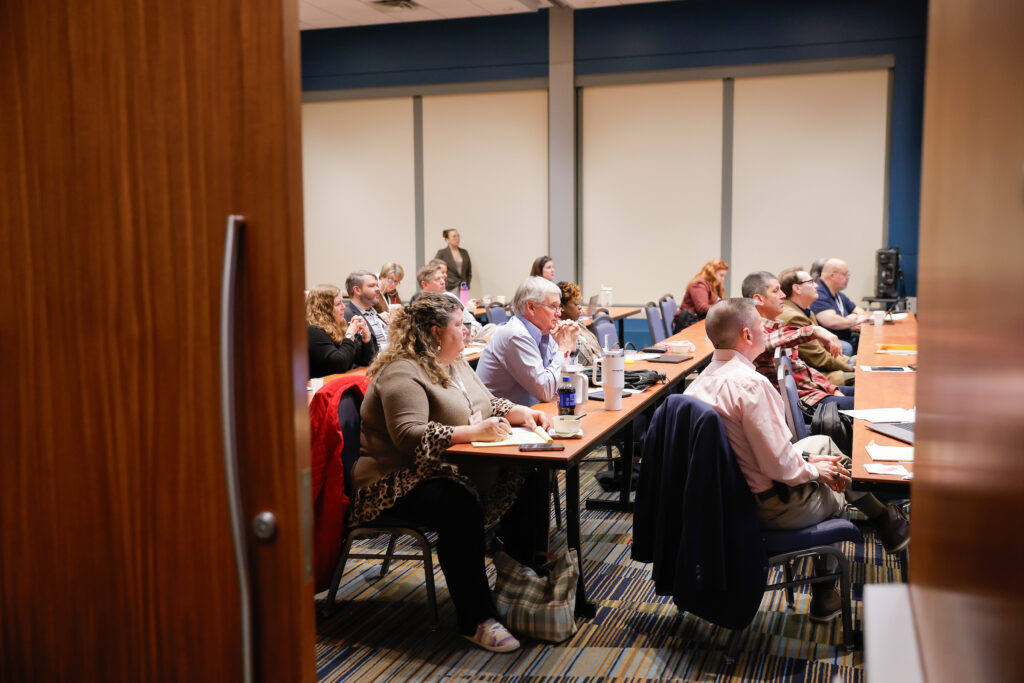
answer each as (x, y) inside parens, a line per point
(460, 268)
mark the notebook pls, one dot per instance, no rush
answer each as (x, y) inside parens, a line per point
(669, 358)
(904, 431)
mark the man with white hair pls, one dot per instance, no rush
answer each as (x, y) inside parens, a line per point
(523, 360)
(794, 485)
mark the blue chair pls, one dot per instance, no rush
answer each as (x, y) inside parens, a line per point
(791, 400)
(717, 570)
(655, 325)
(497, 315)
(348, 416)
(603, 328)
(668, 307)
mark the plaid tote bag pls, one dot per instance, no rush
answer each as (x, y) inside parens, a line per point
(535, 606)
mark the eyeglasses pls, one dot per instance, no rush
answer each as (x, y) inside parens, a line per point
(805, 282)
(554, 308)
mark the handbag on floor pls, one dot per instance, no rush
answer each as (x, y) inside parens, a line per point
(541, 607)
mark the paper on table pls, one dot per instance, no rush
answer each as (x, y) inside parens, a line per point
(519, 436)
(886, 469)
(647, 356)
(891, 453)
(897, 349)
(882, 414)
(897, 316)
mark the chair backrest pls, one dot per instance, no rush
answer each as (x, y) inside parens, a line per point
(348, 423)
(668, 312)
(655, 324)
(603, 328)
(791, 400)
(497, 314)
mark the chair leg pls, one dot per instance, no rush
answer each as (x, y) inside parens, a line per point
(732, 646)
(327, 606)
(787, 572)
(428, 575)
(846, 595)
(556, 499)
(904, 559)
(386, 564)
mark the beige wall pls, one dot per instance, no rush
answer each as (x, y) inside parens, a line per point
(651, 178)
(485, 159)
(809, 173)
(358, 191)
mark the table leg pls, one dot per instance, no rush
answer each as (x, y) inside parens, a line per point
(623, 504)
(584, 608)
(622, 333)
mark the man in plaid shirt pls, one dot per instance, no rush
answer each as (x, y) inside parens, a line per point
(813, 387)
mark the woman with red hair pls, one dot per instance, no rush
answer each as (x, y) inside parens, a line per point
(705, 288)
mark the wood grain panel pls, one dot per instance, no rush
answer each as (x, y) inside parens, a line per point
(128, 132)
(968, 557)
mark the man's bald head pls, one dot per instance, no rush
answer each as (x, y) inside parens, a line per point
(836, 274)
(727, 318)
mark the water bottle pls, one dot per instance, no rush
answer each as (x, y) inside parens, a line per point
(566, 397)
(464, 293)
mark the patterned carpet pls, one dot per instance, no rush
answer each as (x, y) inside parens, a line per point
(381, 629)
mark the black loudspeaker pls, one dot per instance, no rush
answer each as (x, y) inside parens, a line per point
(887, 262)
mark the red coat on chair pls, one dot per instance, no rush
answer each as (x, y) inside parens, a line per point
(330, 504)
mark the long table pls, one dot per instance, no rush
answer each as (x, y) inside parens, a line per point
(882, 390)
(598, 426)
(618, 314)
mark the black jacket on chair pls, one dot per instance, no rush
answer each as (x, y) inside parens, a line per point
(695, 518)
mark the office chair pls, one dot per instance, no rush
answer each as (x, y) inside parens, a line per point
(668, 307)
(655, 325)
(791, 400)
(348, 417)
(604, 329)
(721, 576)
(497, 314)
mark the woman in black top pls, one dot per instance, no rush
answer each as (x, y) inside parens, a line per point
(334, 346)
(460, 269)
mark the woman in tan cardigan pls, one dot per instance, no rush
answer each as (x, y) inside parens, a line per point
(423, 397)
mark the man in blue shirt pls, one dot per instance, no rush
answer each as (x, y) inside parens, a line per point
(522, 362)
(834, 310)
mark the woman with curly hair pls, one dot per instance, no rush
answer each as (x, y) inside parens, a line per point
(423, 397)
(334, 346)
(587, 347)
(705, 289)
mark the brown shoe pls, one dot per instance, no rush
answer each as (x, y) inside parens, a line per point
(893, 529)
(826, 603)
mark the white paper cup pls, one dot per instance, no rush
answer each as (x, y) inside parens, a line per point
(878, 317)
(565, 425)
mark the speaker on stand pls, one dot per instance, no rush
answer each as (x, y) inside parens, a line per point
(889, 282)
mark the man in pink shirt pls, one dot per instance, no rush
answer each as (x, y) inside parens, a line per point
(794, 485)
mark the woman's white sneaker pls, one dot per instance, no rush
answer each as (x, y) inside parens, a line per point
(491, 635)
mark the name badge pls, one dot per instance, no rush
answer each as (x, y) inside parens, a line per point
(476, 418)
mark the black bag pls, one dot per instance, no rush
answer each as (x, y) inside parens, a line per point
(641, 379)
(829, 421)
(683, 320)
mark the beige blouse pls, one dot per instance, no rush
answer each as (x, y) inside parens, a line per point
(407, 424)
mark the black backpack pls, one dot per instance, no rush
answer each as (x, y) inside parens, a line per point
(829, 421)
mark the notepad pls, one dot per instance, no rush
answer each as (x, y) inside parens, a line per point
(890, 453)
(882, 414)
(898, 470)
(520, 435)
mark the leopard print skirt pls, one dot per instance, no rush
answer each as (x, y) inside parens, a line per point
(373, 500)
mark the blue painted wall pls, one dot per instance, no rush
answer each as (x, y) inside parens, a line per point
(670, 35)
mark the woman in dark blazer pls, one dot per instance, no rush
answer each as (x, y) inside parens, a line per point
(460, 269)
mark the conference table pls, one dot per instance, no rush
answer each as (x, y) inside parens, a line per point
(618, 314)
(882, 390)
(598, 426)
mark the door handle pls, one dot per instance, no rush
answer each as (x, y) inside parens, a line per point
(229, 286)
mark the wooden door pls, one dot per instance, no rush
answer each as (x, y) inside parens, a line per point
(967, 556)
(129, 131)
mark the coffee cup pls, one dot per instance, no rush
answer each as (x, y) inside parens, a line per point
(501, 300)
(878, 317)
(565, 425)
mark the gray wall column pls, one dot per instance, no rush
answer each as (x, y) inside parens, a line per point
(561, 143)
